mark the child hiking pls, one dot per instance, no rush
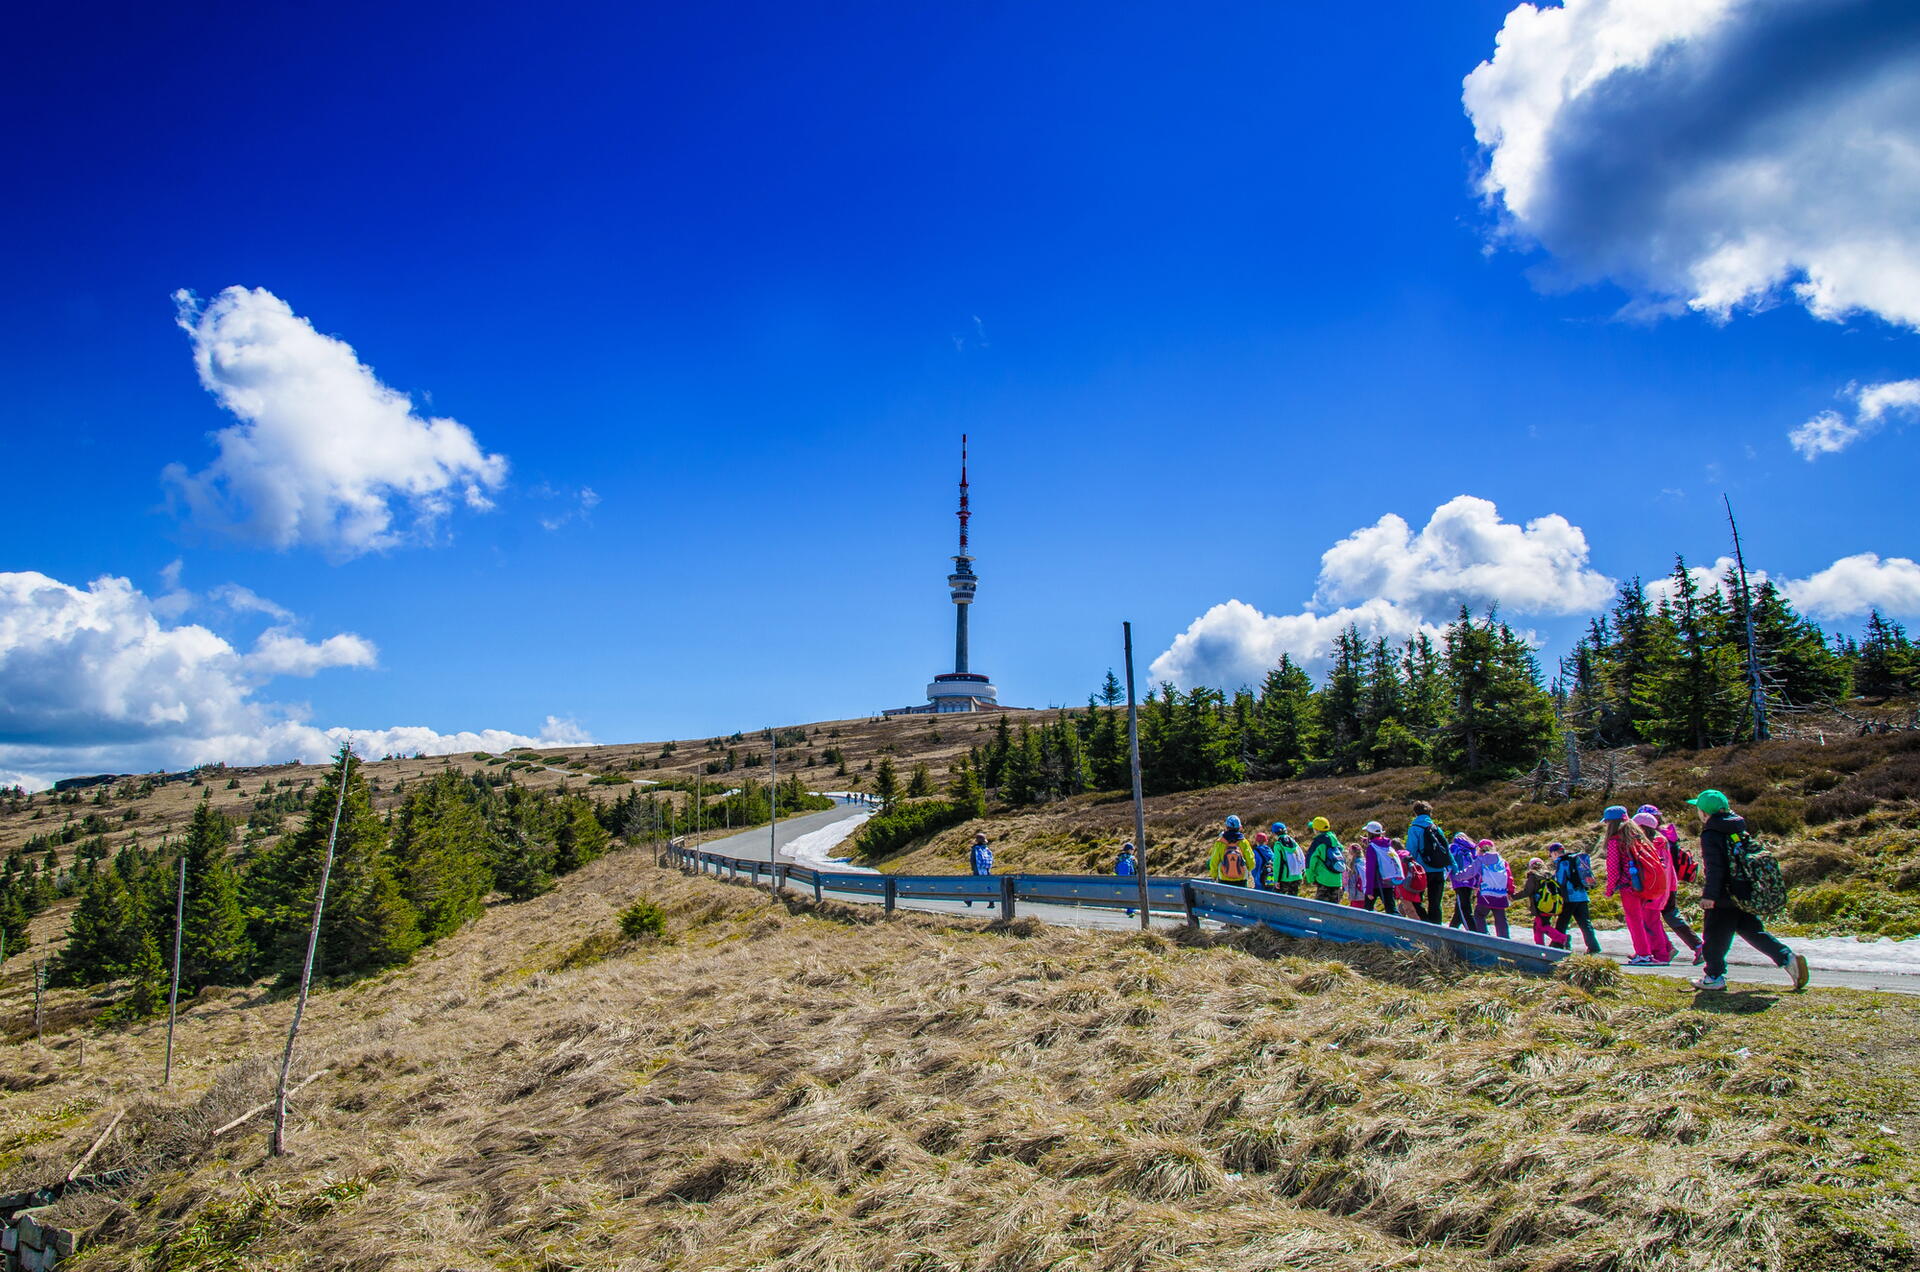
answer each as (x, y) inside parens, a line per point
(1126, 864)
(1639, 874)
(1228, 862)
(1262, 861)
(1685, 870)
(1428, 844)
(1326, 862)
(1573, 872)
(980, 860)
(1464, 875)
(1726, 867)
(1495, 889)
(1544, 901)
(1289, 862)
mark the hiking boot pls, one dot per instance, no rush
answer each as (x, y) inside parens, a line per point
(1797, 971)
(1699, 955)
(1639, 960)
(1709, 982)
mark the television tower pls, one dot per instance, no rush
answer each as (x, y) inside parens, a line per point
(962, 582)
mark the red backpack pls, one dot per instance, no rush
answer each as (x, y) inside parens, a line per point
(1652, 860)
(1685, 868)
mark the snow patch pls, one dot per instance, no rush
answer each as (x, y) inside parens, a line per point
(1885, 956)
(811, 849)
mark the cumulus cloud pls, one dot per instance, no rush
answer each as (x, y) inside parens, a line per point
(1830, 432)
(1391, 583)
(1465, 554)
(97, 679)
(1235, 644)
(324, 455)
(1716, 154)
(1853, 585)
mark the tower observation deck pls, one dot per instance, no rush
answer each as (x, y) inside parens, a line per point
(961, 689)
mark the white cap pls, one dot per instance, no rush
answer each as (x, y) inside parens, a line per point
(1374, 828)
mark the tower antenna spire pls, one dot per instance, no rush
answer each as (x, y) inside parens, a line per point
(965, 514)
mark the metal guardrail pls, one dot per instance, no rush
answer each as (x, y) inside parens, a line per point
(1195, 899)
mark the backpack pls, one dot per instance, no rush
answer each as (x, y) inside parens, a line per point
(1583, 870)
(1416, 880)
(1391, 871)
(1648, 862)
(1548, 901)
(1753, 876)
(1233, 865)
(1433, 852)
(1336, 856)
(1494, 881)
(1685, 868)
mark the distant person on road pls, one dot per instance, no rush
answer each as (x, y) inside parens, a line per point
(1227, 863)
(980, 860)
(1685, 870)
(1262, 861)
(1126, 864)
(1494, 892)
(1326, 862)
(1289, 862)
(1464, 875)
(1573, 872)
(1723, 833)
(1428, 844)
(1636, 875)
(1544, 901)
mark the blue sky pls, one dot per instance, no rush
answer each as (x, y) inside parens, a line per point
(1211, 292)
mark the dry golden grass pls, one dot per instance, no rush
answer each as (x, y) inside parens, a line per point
(783, 1087)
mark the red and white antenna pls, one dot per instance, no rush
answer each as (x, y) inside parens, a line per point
(964, 513)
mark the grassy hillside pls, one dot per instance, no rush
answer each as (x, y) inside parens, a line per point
(775, 1086)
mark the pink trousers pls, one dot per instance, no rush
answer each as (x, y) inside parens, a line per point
(1644, 925)
(1544, 933)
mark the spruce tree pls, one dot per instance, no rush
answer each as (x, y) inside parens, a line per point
(147, 976)
(441, 848)
(886, 783)
(1111, 691)
(1694, 694)
(100, 935)
(1283, 724)
(213, 934)
(578, 836)
(920, 783)
(1501, 721)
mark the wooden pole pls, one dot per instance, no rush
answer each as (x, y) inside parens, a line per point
(1755, 688)
(173, 995)
(1133, 762)
(773, 804)
(39, 985)
(279, 1143)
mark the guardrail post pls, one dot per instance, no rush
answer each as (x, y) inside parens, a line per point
(780, 878)
(816, 887)
(891, 891)
(1006, 896)
(1187, 903)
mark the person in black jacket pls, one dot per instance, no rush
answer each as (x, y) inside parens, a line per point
(1725, 918)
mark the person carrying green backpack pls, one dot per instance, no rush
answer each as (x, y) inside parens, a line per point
(1740, 882)
(1326, 862)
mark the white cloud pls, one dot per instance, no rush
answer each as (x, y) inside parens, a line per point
(1391, 583)
(325, 455)
(1234, 644)
(1716, 154)
(1853, 585)
(97, 679)
(1707, 578)
(1465, 554)
(1830, 432)
(584, 501)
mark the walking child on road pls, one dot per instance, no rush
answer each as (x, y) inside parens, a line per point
(980, 860)
(1289, 862)
(1227, 863)
(1724, 847)
(1573, 872)
(1326, 862)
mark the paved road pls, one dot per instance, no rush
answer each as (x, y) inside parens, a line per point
(752, 846)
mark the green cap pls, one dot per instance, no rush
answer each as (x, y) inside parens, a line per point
(1710, 802)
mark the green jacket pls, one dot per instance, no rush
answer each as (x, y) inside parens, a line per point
(1320, 869)
(1286, 844)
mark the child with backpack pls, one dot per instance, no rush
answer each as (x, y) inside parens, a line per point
(1289, 862)
(1573, 874)
(1464, 877)
(1544, 901)
(1685, 870)
(1262, 861)
(1740, 885)
(1227, 863)
(1638, 872)
(1410, 894)
(1326, 863)
(1381, 869)
(1495, 890)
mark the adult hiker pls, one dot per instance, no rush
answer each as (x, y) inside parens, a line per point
(1636, 875)
(1723, 838)
(1685, 870)
(1262, 861)
(1289, 861)
(1464, 874)
(1326, 862)
(1543, 899)
(1227, 863)
(1381, 871)
(1428, 844)
(980, 860)
(1495, 889)
(1573, 872)
(1126, 864)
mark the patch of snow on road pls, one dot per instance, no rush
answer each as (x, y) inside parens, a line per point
(811, 849)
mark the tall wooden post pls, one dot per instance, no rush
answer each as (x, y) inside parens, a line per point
(1133, 762)
(173, 994)
(279, 1145)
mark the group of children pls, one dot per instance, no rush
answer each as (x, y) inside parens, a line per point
(1642, 862)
